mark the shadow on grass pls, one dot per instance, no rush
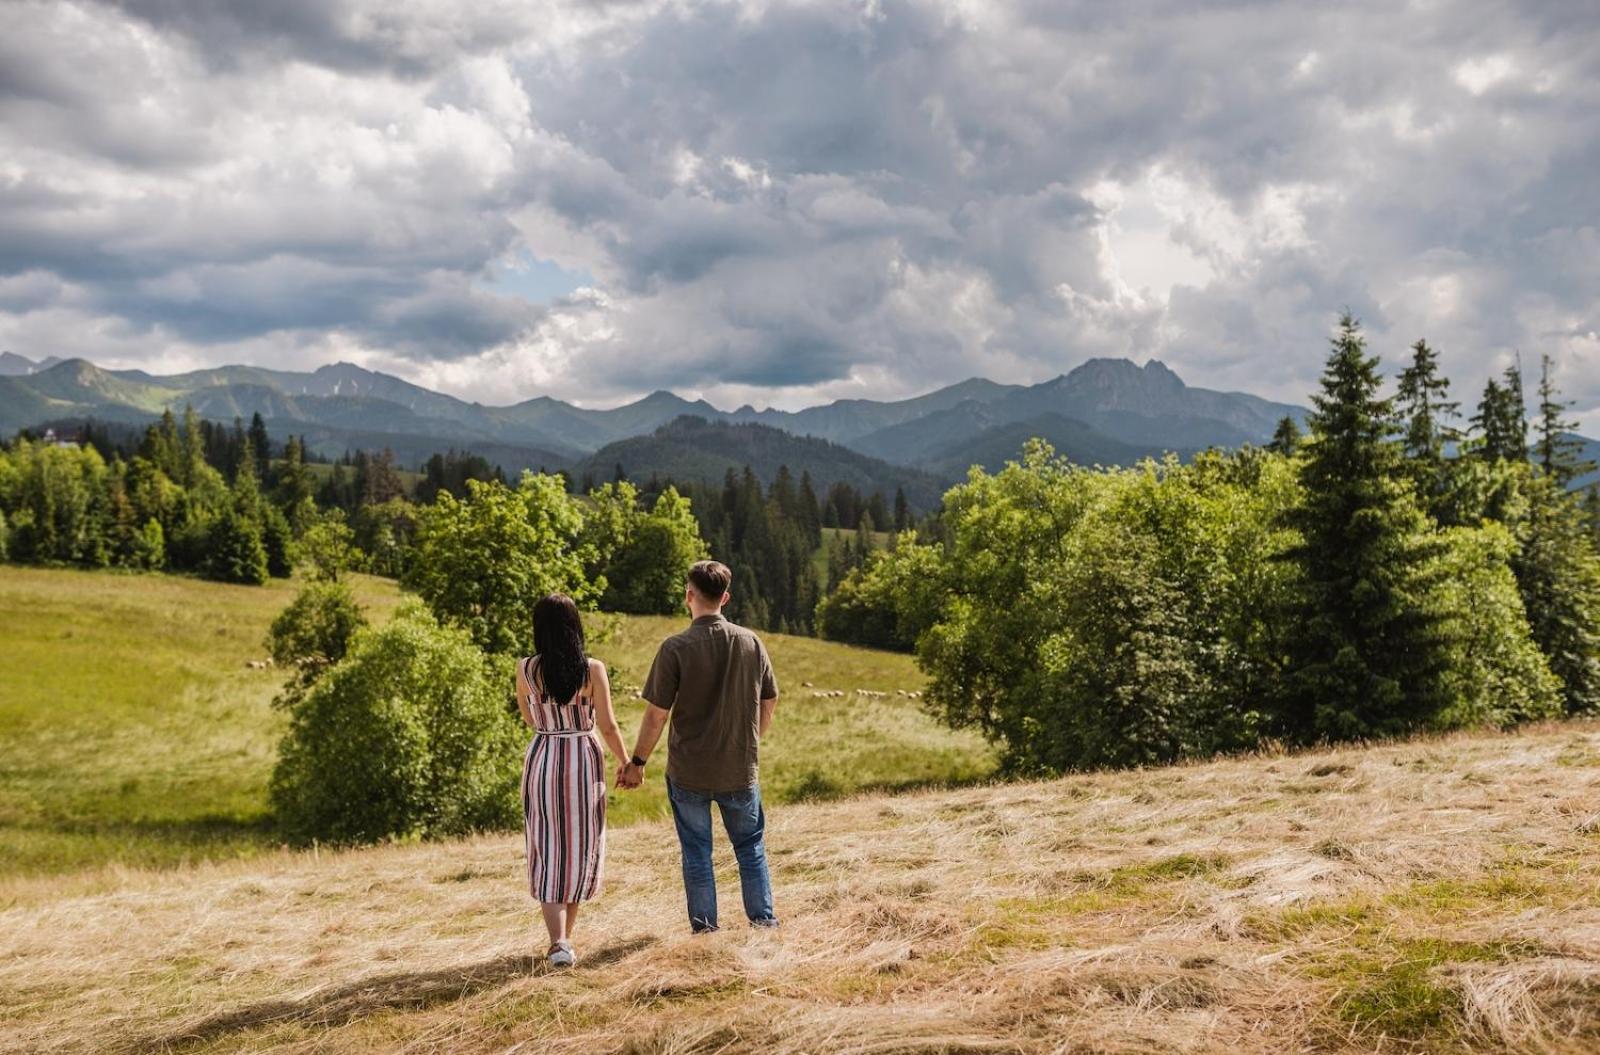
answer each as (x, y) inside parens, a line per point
(410, 990)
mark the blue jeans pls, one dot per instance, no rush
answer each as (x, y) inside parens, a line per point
(746, 824)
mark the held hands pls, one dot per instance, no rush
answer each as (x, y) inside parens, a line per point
(629, 776)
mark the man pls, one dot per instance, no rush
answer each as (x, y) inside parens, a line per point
(715, 682)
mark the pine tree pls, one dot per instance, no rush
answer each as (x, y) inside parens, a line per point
(1424, 407)
(902, 510)
(1558, 450)
(1501, 421)
(1423, 415)
(261, 444)
(810, 513)
(1516, 412)
(1286, 437)
(1558, 575)
(1368, 655)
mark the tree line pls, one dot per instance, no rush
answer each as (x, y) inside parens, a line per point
(190, 495)
(1393, 569)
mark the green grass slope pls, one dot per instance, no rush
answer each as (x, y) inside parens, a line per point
(133, 732)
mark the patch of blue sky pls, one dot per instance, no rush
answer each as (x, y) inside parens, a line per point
(536, 280)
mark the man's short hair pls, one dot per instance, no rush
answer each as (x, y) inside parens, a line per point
(710, 579)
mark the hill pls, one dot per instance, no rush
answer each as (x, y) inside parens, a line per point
(971, 433)
(692, 448)
(1431, 896)
(14, 365)
(134, 733)
(345, 406)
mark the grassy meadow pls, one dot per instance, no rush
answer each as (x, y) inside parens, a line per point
(133, 732)
(1431, 896)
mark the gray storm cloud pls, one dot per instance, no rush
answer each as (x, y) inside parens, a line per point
(795, 200)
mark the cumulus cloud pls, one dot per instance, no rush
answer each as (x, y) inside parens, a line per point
(782, 201)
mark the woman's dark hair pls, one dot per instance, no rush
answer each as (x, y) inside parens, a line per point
(558, 639)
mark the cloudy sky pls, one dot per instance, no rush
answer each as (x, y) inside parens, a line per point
(785, 202)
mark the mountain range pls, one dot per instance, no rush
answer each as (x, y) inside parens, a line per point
(1105, 411)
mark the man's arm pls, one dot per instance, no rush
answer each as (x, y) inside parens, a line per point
(655, 720)
(768, 693)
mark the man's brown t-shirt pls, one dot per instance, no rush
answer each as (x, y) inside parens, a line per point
(712, 677)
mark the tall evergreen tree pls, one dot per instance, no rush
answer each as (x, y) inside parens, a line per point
(1558, 575)
(1286, 437)
(261, 444)
(902, 510)
(1501, 421)
(1559, 452)
(1424, 407)
(1591, 510)
(810, 512)
(1424, 412)
(1369, 656)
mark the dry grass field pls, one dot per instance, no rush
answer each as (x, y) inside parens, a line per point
(1437, 895)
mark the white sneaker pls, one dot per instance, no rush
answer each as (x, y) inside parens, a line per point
(562, 954)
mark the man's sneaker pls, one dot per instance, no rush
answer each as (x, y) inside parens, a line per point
(765, 924)
(562, 955)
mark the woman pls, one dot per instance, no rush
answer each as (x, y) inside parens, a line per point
(565, 696)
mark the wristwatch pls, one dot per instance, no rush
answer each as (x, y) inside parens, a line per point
(637, 761)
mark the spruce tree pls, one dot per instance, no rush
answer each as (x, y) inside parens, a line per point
(1424, 407)
(1559, 452)
(1424, 411)
(1558, 575)
(810, 512)
(1286, 437)
(1368, 654)
(1501, 420)
(902, 510)
(261, 444)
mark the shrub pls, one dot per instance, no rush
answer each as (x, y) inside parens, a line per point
(407, 736)
(149, 547)
(481, 564)
(646, 571)
(235, 552)
(1497, 675)
(316, 628)
(329, 545)
(889, 600)
(278, 542)
(1119, 617)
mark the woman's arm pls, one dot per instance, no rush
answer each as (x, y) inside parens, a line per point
(522, 694)
(605, 717)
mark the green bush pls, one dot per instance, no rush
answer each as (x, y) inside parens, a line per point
(1497, 675)
(234, 551)
(645, 573)
(316, 628)
(407, 736)
(149, 547)
(1106, 617)
(481, 564)
(278, 542)
(887, 601)
(329, 546)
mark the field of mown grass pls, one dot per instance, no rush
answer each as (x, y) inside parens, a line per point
(1432, 896)
(133, 733)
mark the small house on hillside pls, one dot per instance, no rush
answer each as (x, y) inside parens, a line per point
(64, 439)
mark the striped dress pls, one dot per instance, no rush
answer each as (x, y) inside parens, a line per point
(563, 796)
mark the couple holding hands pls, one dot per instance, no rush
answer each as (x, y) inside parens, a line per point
(714, 682)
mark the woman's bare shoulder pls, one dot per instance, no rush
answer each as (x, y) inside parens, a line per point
(596, 666)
